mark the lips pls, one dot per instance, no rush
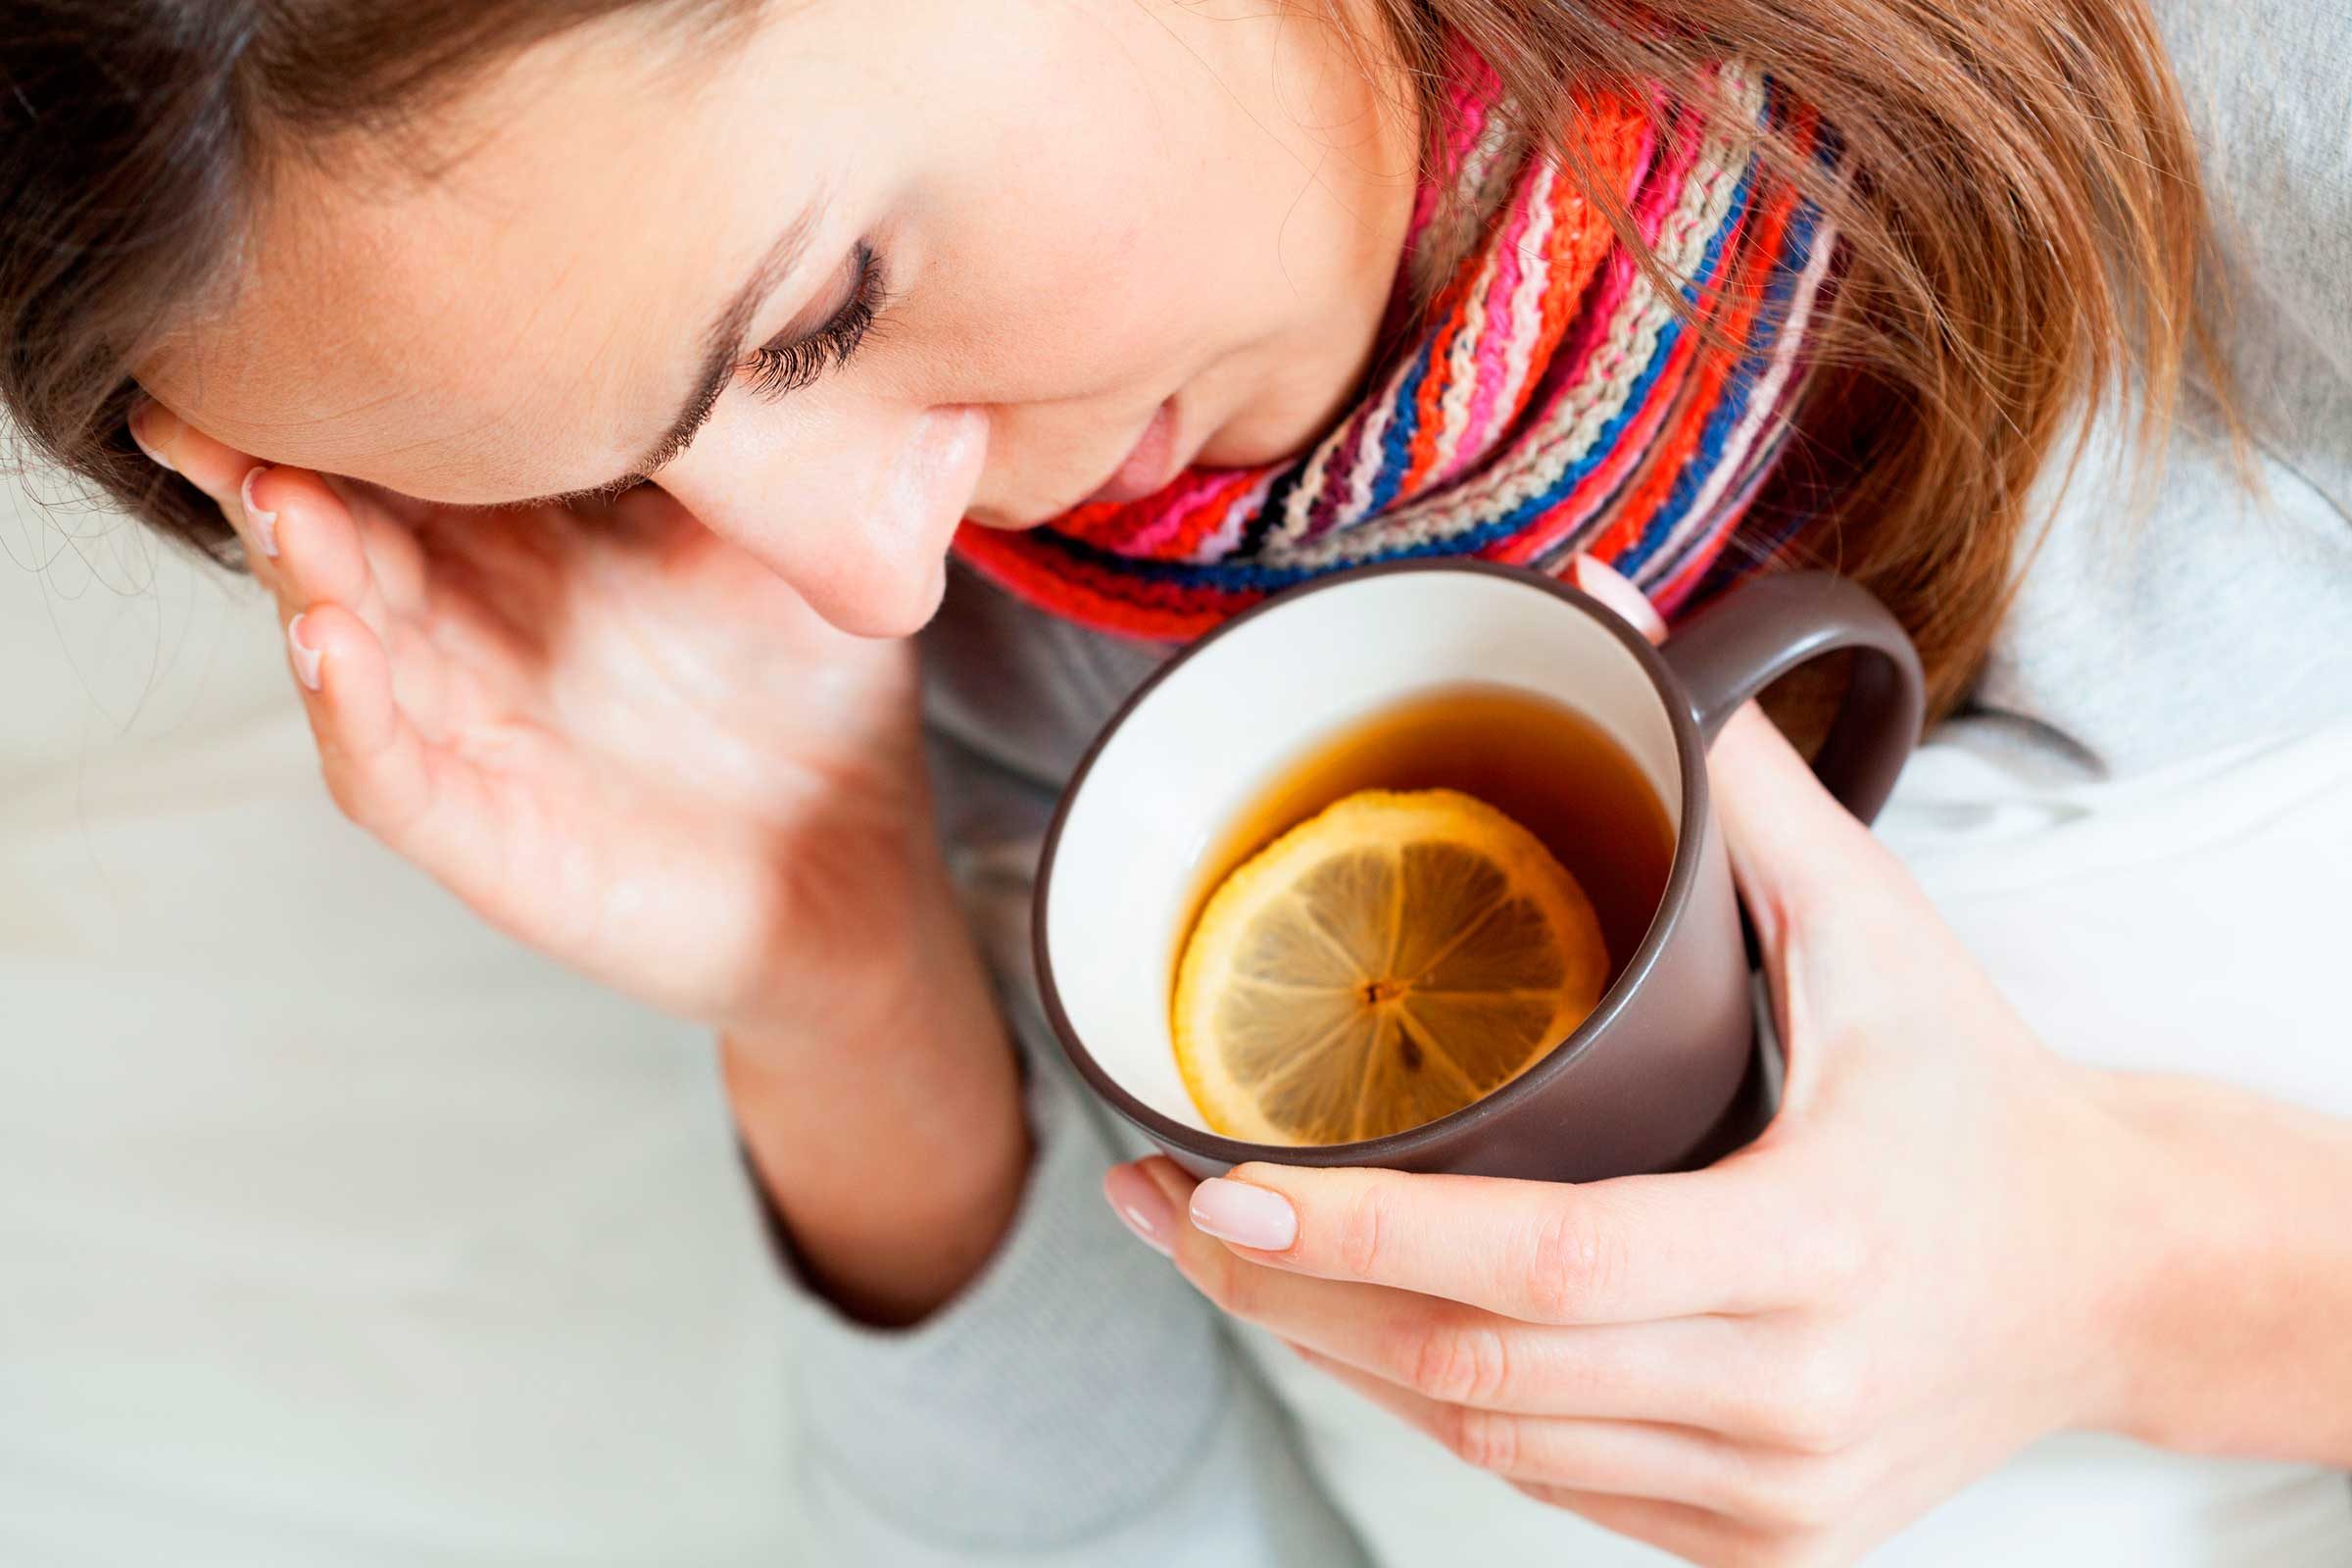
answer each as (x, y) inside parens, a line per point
(1149, 464)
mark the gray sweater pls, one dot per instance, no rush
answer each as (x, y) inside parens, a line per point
(1077, 1404)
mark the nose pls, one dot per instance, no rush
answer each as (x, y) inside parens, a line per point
(855, 508)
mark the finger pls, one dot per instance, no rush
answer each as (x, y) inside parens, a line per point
(1846, 935)
(1623, 1459)
(1694, 1534)
(322, 559)
(212, 466)
(1142, 1206)
(231, 477)
(395, 555)
(376, 765)
(1790, 842)
(320, 555)
(1617, 592)
(373, 760)
(1639, 1247)
(1701, 1372)
(1796, 854)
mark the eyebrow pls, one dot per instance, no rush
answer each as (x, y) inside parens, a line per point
(722, 352)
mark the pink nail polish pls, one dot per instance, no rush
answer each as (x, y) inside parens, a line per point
(1138, 1201)
(1245, 1215)
(263, 524)
(307, 660)
(143, 418)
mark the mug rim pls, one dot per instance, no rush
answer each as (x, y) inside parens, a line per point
(1557, 1060)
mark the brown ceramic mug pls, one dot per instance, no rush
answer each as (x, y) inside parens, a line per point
(1663, 1073)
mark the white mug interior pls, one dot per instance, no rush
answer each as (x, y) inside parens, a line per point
(1219, 727)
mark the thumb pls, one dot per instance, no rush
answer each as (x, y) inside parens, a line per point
(1792, 846)
(1796, 854)
(1846, 935)
(1825, 897)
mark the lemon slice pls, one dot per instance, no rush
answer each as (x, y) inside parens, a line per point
(1378, 966)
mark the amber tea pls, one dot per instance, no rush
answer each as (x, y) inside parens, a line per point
(1540, 762)
(1412, 912)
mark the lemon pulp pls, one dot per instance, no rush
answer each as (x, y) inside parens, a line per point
(1389, 960)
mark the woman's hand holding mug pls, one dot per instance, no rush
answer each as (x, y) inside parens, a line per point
(1949, 1243)
(1925, 1263)
(631, 745)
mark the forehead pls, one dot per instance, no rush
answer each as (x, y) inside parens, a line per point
(510, 301)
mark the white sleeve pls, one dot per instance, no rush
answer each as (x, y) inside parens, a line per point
(2187, 919)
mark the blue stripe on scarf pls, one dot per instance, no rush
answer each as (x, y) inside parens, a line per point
(1778, 297)
(1234, 576)
(1396, 442)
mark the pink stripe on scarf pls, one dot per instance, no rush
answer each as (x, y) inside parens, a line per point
(1493, 346)
(1582, 503)
(1193, 489)
(1657, 189)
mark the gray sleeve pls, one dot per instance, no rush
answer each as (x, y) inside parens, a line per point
(1078, 1402)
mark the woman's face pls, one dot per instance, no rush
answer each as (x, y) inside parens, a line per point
(1107, 239)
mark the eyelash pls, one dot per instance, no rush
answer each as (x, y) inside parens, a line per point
(782, 368)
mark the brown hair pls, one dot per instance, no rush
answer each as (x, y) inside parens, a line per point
(2026, 233)
(136, 137)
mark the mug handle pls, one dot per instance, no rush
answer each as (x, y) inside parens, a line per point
(1765, 628)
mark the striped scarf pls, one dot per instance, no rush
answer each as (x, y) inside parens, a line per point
(1552, 400)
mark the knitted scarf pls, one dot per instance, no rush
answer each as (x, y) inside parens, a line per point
(1550, 401)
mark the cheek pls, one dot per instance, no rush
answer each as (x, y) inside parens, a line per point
(1080, 257)
(1066, 308)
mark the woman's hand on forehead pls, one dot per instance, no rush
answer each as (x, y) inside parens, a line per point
(617, 736)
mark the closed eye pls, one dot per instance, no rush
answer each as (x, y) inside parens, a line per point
(783, 367)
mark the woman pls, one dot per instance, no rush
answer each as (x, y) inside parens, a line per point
(597, 388)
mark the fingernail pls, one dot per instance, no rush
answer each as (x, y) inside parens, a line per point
(265, 523)
(307, 658)
(1619, 593)
(1245, 1215)
(1146, 1209)
(148, 427)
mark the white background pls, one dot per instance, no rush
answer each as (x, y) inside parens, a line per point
(333, 1227)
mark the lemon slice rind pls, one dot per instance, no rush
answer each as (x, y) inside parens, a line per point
(1262, 935)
